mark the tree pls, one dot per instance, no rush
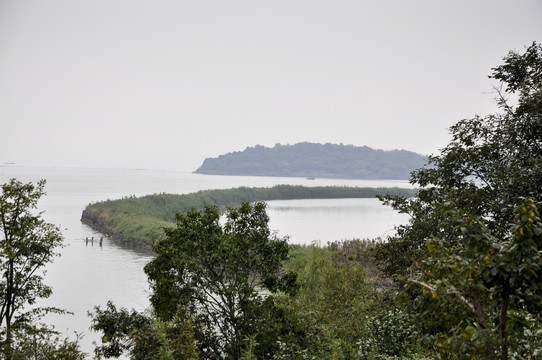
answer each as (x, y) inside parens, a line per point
(211, 282)
(27, 245)
(481, 296)
(218, 274)
(490, 164)
(463, 280)
(142, 335)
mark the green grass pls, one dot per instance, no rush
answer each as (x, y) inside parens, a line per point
(146, 216)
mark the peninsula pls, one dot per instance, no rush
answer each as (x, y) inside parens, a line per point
(135, 222)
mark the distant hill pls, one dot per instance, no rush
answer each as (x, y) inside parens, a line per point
(316, 160)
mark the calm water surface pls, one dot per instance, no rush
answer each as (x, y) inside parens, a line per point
(88, 275)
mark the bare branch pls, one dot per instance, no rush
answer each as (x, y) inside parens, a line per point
(451, 291)
(475, 305)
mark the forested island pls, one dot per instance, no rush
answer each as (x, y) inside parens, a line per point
(313, 160)
(135, 222)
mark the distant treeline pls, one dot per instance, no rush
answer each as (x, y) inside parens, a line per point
(316, 160)
(137, 220)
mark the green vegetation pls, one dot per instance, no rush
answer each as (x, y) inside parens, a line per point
(27, 245)
(235, 291)
(145, 217)
(468, 264)
(221, 291)
(316, 160)
(343, 307)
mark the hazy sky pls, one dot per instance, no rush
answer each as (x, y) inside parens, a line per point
(167, 83)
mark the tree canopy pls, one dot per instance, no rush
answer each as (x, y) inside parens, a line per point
(489, 167)
(466, 276)
(213, 279)
(223, 286)
(27, 245)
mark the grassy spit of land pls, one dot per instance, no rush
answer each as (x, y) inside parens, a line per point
(136, 221)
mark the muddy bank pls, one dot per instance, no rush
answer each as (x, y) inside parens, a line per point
(98, 223)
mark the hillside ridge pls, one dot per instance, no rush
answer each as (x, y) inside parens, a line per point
(316, 160)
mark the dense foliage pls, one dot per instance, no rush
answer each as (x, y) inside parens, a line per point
(343, 307)
(27, 245)
(145, 217)
(480, 292)
(142, 335)
(216, 278)
(469, 259)
(324, 304)
(316, 160)
(490, 165)
(222, 288)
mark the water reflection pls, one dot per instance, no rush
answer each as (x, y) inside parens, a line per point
(305, 221)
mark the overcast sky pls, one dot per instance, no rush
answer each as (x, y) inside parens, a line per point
(167, 83)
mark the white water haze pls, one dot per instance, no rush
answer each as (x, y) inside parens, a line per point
(165, 84)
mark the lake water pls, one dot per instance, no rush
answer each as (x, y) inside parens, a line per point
(88, 275)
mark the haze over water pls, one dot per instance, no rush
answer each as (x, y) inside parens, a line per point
(169, 83)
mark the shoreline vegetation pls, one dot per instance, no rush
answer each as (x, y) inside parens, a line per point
(135, 221)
